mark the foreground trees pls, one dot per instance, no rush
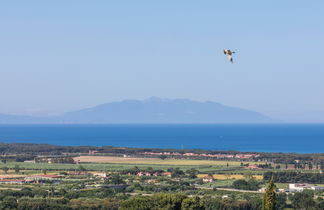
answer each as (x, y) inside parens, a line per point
(31, 199)
(269, 199)
(182, 202)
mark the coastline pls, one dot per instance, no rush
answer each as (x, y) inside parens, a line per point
(273, 138)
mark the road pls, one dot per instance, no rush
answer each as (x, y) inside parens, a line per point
(229, 189)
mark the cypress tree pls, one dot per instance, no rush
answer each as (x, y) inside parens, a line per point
(269, 199)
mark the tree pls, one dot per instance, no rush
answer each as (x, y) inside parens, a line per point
(242, 184)
(192, 173)
(137, 202)
(191, 204)
(44, 171)
(176, 172)
(115, 179)
(9, 202)
(310, 165)
(248, 175)
(17, 168)
(269, 199)
(81, 168)
(5, 169)
(168, 201)
(162, 157)
(304, 200)
(281, 200)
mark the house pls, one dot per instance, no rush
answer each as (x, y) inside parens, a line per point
(81, 173)
(38, 178)
(29, 161)
(143, 173)
(100, 174)
(166, 174)
(317, 188)
(252, 166)
(301, 187)
(298, 187)
(208, 179)
(93, 152)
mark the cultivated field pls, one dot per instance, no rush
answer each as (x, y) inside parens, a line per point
(153, 161)
(229, 176)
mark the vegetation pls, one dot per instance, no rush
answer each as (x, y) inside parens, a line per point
(294, 177)
(124, 178)
(242, 184)
(269, 199)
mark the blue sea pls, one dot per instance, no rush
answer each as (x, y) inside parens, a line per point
(298, 138)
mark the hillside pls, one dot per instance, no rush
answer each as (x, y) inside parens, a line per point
(152, 110)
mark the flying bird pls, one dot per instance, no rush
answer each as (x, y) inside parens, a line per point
(229, 54)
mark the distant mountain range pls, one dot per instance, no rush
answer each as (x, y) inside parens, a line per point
(152, 110)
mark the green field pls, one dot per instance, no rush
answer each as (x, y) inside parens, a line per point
(117, 165)
(105, 166)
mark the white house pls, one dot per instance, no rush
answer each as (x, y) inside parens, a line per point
(301, 187)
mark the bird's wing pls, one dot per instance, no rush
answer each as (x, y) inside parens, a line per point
(230, 58)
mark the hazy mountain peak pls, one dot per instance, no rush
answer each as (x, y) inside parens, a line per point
(152, 110)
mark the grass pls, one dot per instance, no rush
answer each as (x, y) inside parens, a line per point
(156, 161)
(96, 166)
(108, 163)
(282, 185)
(219, 183)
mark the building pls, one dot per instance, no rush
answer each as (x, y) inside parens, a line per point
(208, 179)
(93, 152)
(80, 173)
(141, 173)
(317, 188)
(299, 187)
(252, 166)
(102, 175)
(302, 187)
(156, 174)
(42, 178)
(168, 174)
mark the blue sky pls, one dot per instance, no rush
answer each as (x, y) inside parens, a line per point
(58, 56)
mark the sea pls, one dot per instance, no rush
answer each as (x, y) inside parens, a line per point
(287, 138)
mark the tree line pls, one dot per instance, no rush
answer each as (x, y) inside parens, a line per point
(47, 149)
(294, 177)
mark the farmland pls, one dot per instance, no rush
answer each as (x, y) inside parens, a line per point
(230, 176)
(154, 161)
(113, 179)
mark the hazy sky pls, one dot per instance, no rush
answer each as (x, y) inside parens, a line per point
(57, 56)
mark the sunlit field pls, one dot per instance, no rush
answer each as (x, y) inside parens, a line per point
(157, 161)
(229, 176)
